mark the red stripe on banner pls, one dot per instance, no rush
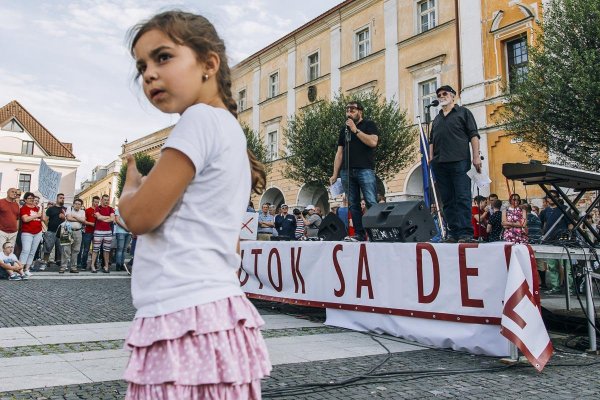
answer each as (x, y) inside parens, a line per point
(535, 278)
(507, 254)
(538, 362)
(467, 319)
(514, 300)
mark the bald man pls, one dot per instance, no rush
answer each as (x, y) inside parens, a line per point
(9, 216)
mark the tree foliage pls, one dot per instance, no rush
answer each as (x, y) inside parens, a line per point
(144, 164)
(312, 138)
(556, 105)
(256, 145)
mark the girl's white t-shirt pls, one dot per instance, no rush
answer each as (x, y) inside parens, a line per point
(191, 258)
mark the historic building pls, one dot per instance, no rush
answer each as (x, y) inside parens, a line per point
(405, 50)
(24, 143)
(104, 180)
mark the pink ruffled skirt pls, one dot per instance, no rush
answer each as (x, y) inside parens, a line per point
(210, 351)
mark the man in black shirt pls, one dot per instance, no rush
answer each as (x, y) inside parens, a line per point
(56, 216)
(451, 132)
(363, 138)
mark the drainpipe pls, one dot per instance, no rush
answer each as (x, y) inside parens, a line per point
(458, 57)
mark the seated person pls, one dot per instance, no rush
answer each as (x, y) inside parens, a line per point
(10, 267)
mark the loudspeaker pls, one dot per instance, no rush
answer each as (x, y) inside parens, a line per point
(405, 221)
(332, 229)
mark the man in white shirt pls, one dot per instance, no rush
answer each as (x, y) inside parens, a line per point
(76, 217)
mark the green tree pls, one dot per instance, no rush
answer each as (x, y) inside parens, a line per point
(555, 106)
(256, 145)
(144, 164)
(312, 138)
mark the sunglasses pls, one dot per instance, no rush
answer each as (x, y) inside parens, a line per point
(442, 94)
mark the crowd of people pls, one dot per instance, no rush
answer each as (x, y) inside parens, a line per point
(521, 222)
(31, 232)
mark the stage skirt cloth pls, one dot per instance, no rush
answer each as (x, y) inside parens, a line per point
(209, 351)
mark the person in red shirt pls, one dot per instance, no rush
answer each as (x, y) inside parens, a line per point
(88, 234)
(105, 216)
(9, 217)
(479, 218)
(31, 230)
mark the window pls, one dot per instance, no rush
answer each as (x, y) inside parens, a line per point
(242, 100)
(363, 43)
(12, 126)
(24, 182)
(274, 84)
(27, 147)
(517, 60)
(426, 13)
(426, 96)
(313, 66)
(272, 145)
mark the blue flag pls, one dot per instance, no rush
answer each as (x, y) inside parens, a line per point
(425, 170)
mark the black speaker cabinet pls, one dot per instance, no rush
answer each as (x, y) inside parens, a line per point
(405, 221)
(332, 228)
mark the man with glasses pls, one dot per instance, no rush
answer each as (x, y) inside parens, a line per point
(9, 217)
(359, 175)
(452, 130)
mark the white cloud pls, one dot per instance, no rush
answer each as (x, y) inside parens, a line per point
(69, 66)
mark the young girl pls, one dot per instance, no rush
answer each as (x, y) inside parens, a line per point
(195, 335)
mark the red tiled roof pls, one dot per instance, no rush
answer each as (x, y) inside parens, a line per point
(41, 135)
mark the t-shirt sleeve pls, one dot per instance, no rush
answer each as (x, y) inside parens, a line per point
(471, 125)
(195, 135)
(341, 138)
(371, 128)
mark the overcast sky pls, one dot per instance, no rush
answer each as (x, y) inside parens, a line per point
(67, 62)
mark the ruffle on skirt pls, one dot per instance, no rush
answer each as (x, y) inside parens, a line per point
(212, 350)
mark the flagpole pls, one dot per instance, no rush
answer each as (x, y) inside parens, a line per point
(435, 199)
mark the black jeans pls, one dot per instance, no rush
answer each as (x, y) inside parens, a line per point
(455, 191)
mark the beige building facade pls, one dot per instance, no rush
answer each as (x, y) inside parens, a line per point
(403, 49)
(104, 180)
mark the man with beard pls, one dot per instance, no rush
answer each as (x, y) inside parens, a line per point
(357, 173)
(451, 132)
(56, 216)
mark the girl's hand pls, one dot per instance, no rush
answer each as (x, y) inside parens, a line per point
(133, 178)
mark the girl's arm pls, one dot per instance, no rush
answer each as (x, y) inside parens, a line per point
(140, 207)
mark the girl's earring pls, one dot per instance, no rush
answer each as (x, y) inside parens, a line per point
(204, 77)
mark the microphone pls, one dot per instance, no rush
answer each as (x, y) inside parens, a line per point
(434, 103)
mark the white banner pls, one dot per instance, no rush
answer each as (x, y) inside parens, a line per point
(249, 226)
(48, 182)
(522, 323)
(458, 283)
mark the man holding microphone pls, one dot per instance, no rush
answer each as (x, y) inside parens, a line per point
(356, 166)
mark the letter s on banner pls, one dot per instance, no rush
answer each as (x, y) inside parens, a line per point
(338, 271)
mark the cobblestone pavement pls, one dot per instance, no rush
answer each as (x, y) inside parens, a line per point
(418, 374)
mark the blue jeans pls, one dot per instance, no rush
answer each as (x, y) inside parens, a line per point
(86, 242)
(361, 180)
(29, 245)
(455, 191)
(121, 246)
